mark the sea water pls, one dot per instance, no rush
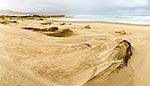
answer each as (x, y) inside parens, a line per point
(134, 19)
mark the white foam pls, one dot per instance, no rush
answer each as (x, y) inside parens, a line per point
(138, 19)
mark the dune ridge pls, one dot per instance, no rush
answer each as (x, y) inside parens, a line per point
(118, 59)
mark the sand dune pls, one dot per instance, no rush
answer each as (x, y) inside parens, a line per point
(91, 57)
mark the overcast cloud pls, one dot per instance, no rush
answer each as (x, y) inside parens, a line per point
(78, 6)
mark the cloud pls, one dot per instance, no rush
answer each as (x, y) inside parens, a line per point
(75, 6)
(41, 6)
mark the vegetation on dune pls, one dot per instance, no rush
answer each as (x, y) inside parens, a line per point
(87, 27)
(62, 33)
(125, 52)
(47, 23)
(31, 28)
(122, 32)
(52, 31)
(40, 17)
(128, 52)
(7, 22)
(4, 22)
(64, 23)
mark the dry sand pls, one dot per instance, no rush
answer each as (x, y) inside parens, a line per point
(89, 57)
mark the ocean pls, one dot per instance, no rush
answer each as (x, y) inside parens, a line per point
(135, 19)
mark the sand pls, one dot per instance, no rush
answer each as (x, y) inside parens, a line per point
(106, 54)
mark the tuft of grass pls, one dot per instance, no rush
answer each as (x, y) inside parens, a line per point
(128, 53)
(47, 23)
(121, 32)
(62, 23)
(13, 22)
(87, 27)
(41, 19)
(62, 33)
(4, 22)
(51, 29)
(31, 28)
(7, 22)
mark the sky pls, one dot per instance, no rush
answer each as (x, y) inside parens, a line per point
(80, 7)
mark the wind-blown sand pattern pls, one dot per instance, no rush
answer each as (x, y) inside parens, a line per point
(87, 57)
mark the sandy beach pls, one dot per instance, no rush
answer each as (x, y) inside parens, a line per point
(43, 52)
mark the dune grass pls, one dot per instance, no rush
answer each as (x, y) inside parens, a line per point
(62, 33)
(52, 31)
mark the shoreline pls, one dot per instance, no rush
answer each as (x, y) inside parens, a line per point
(104, 22)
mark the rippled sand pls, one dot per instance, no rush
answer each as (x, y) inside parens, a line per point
(106, 54)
